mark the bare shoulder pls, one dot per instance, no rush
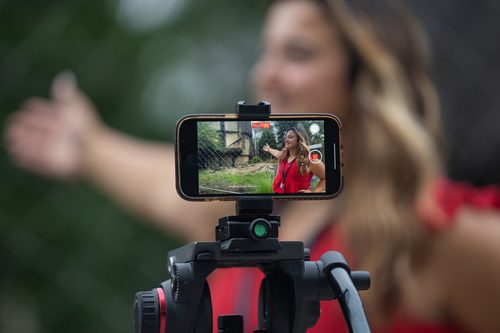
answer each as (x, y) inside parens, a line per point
(479, 229)
(468, 269)
(474, 232)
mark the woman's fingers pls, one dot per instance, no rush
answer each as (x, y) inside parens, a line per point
(41, 138)
(28, 132)
(43, 149)
(77, 110)
(25, 145)
(26, 126)
(46, 136)
(37, 114)
(64, 86)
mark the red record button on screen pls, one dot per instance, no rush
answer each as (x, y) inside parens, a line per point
(261, 124)
(315, 156)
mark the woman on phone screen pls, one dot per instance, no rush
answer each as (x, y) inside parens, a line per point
(295, 170)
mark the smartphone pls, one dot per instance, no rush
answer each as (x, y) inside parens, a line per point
(226, 157)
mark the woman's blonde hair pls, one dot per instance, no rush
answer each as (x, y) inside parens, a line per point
(302, 149)
(391, 141)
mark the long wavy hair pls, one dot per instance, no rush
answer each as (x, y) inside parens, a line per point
(302, 149)
(392, 141)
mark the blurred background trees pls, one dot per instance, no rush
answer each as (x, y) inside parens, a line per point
(70, 259)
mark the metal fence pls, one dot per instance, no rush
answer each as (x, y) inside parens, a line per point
(228, 160)
(224, 144)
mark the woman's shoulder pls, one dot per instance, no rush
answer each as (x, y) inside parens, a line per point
(466, 253)
(446, 200)
(467, 269)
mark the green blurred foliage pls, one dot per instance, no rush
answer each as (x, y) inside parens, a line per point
(209, 139)
(70, 259)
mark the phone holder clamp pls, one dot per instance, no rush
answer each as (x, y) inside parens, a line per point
(261, 109)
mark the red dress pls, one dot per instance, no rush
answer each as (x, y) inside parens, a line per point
(235, 290)
(289, 180)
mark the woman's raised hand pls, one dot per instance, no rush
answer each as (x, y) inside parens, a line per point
(266, 148)
(49, 136)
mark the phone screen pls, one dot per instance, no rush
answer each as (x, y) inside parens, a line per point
(288, 157)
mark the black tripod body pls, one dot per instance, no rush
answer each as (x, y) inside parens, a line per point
(290, 294)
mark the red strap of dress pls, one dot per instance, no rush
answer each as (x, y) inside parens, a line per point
(451, 196)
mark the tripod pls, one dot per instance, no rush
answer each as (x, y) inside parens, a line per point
(290, 294)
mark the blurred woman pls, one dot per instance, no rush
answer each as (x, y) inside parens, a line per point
(295, 170)
(432, 247)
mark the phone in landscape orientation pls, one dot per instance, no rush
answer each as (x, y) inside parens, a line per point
(226, 157)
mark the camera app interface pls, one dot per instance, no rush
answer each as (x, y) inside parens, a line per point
(261, 157)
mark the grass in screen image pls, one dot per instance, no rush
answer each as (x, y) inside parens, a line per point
(231, 158)
(252, 179)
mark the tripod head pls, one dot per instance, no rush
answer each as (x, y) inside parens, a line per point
(290, 294)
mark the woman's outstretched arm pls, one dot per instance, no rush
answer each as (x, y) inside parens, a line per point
(141, 176)
(274, 152)
(64, 138)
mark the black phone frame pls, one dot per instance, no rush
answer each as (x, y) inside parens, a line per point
(187, 153)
